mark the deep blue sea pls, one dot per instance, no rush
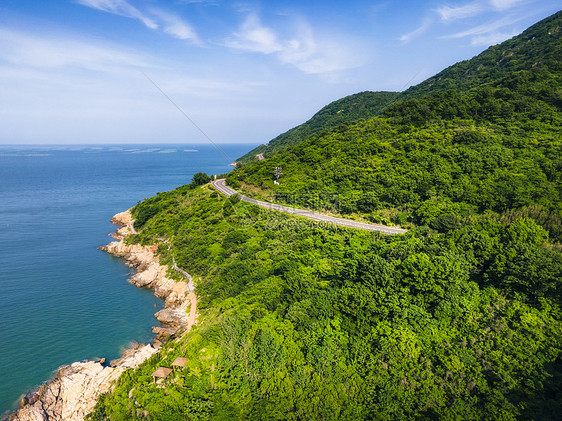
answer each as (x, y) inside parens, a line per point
(61, 299)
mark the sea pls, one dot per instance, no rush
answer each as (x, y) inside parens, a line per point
(61, 299)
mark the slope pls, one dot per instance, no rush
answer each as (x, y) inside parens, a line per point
(493, 147)
(537, 48)
(345, 110)
(459, 318)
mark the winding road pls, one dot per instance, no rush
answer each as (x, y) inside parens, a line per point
(227, 191)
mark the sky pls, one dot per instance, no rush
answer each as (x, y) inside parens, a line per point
(194, 71)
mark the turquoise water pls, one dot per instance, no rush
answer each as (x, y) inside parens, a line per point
(61, 299)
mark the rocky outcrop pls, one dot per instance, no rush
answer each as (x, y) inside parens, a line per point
(74, 390)
(178, 296)
(150, 274)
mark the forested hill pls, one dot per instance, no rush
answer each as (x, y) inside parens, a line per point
(516, 62)
(538, 49)
(345, 110)
(494, 147)
(459, 318)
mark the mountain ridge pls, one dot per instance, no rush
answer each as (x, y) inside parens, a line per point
(350, 108)
(498, 58)
(494, 62)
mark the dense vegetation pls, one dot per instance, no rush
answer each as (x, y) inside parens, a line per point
(351, 108)
(458, 319)
(536, 48)
(494, 147)
(300, 321)
(436, 173)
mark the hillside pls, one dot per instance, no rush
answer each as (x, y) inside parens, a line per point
(535, 50)
(514, 63)
(459, 318)
(493, 147)
(351, 108)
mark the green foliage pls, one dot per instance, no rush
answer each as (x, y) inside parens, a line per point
(199, 179)
(537, 48)
(457, 319)
(346, 110)
(303, 322)
(451, 169)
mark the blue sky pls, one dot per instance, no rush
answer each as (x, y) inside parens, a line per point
(73, 71)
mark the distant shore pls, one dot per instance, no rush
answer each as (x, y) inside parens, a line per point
(73, 392)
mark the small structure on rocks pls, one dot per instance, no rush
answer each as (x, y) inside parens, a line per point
(179, 362)
(161, 373)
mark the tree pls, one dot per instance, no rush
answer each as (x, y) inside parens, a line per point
(199, 179)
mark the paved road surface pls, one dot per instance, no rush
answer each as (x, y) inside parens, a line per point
(227, 191)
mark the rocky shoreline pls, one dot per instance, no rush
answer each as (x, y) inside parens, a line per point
(73, 392)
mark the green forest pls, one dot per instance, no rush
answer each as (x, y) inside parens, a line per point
(459, 318)
(345, 110)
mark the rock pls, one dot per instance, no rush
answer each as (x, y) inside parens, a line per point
(122, 219)
(73, 392)
(163, 333)
(145, 278)
(172, 317)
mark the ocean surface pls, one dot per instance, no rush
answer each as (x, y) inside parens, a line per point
(61, 299)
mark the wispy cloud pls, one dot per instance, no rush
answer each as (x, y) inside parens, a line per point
(154, 19)
(475, 8)
(302, 50)
(486, 29)
(501, 5)
(121, 8)
(176, 27)
(28, 50)
(254, 36)
(497, 12)
(207, 2)
(426, 24)
(448, 13)
(492, 38)
(490, 33)
(379, 7)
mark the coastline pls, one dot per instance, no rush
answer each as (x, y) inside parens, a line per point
(73, 391)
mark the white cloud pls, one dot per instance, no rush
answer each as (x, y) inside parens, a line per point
(209, 2)
(155, 19)
(176, 27)
(28, 50)
(302, 50)
(121, 8)
(448, 13)
(314, 56)
(501, 5)
(486, 29)
(253, 36)
(492, 38)
(490, 33)
(426, 24)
